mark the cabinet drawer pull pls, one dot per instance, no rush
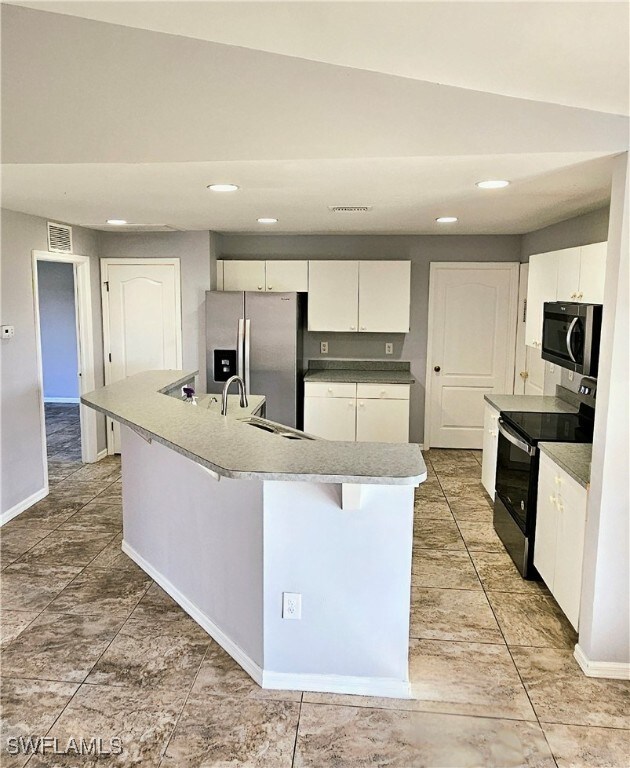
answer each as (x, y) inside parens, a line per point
(353, 328)
(260, 287)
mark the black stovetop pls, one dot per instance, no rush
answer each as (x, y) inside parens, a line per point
(551, 427)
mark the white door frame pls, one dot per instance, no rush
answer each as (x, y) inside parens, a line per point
(85, 350)
(439, 265)
(105, 304)
(520, 359)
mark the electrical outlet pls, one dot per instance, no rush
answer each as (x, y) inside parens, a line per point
(8, 331)
(291, 605)
(571, 374)
(323, 347)
(389, 348)
(552, 368)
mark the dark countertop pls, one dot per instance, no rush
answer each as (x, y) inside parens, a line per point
(574, 458)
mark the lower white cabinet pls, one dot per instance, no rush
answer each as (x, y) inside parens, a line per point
(490, 448)
(362, 412)
(560, 527)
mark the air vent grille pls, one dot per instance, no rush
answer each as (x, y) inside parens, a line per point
(59, 237)
(349, 208)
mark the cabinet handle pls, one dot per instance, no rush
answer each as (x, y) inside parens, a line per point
(330, 389)
(363, 328)
(383, 392)
(574, 295)
(260, 287)
(580, 295)
(270, 287)
(352, 328)
(351, 404)
(361, 405)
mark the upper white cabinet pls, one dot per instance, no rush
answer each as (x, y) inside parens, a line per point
(572, 274)
(220, 263)
(243, 275)
(592, 273)
(286, 275)
(384, 296)
(364, 296)
(333, 295)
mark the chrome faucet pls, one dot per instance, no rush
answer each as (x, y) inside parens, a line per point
(241, 389)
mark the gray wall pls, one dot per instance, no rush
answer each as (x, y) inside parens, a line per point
(57, 320)
(580, 230)
(21, 459)
(196, 252)
(421, 250)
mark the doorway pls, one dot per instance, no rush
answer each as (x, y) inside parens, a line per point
(142, 321)
(63, 327)
(471, 347)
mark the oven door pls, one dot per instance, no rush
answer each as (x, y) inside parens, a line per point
(515, 464)
(563, 337)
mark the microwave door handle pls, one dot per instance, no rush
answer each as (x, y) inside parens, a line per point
(570, 339)
(515, 439)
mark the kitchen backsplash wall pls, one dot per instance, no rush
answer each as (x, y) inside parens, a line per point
(420, 249)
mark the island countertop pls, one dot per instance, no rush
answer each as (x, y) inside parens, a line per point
(234, 449)
(574, 458)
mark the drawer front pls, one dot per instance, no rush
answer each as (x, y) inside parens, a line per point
(383, 391)
(329, 389)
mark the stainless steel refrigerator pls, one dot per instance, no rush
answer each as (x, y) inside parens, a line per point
(259, 337)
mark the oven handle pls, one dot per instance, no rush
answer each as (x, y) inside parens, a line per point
(515, 439)
(569, 338)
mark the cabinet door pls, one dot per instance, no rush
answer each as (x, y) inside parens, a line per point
(541, 287)
(546, 522)
(333, 295)
(243, 275)
(333, 418)
(490, 446)
(384, 296)
(568, 274)
(567, 583)
(284, 275)
(383, 421)
(592, 273)
(219, 275)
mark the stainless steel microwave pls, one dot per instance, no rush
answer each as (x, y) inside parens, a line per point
(571, 334)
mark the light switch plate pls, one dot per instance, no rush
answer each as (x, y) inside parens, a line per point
(7, 331)
(389, 348)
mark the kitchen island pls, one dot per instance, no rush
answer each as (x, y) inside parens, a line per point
(229, 518)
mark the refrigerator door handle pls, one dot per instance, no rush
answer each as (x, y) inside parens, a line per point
(240, 350)
(248, 333)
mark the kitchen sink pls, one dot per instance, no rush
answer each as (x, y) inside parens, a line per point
(275, 429)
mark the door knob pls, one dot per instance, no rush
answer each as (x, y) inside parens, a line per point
(437, 369)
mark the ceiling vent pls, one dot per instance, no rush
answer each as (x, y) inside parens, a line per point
(59, 237)
(349, 208)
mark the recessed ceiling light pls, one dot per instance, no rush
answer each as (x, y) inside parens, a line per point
(223, 187)
(265, 220)
(493, 184)
(446, 219)
(116, 221)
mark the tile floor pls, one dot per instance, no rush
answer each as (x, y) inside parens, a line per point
(91, 647)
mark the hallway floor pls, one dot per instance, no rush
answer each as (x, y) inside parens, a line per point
(91, 647)
(63, 432)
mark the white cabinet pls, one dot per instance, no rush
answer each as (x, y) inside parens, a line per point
(384, 296)
(220, 275)
(361, 412)
(541, 287)
(364, 296)
(560, 527)
(490, 448)
(568, 274)
(592, 273)
(286, 275)
(243, 275)
(333, 295)
(572, 274)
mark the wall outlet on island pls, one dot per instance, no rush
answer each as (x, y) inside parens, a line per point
(291, 605)
(323, 347)
(571, 375)
(389, 348)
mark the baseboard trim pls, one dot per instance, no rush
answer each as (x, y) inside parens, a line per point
(23, 505)
(284, 681)
(101, 454)
(73, 400)
(235, 651)
(608, 669)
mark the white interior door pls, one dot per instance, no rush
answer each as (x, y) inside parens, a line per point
(472, 336)
(142, 325)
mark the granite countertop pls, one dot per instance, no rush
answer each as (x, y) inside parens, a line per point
(359, 372)
(574, 458)
(238, 450)
(532, 403)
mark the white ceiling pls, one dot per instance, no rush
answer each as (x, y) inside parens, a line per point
(104, 120)
(571, 53)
